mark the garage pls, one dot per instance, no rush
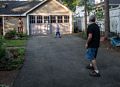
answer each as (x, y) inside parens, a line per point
(44, 19)
(45, 25)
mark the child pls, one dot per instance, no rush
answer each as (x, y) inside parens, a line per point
(58, 32)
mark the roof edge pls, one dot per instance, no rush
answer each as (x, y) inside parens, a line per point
(12, 15)
(34, 7)
(63, 6)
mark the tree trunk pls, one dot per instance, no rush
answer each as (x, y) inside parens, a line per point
(85, 15)
(107, 18)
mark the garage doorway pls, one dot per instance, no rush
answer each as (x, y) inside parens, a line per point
(45, 25)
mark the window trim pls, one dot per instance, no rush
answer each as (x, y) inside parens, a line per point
(53, 19)
(46, 19)
(66, 18)
(39, 19)
(32, 19)
(60, 19)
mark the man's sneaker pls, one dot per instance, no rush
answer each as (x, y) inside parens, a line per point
(94, 74)
(89, 67)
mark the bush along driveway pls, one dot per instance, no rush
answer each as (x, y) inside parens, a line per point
(11, 59)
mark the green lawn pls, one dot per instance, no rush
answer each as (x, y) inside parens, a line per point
(15, 43)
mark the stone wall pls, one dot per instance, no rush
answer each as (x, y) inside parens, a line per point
(11, 23)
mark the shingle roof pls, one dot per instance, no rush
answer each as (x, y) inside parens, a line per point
(16, 7)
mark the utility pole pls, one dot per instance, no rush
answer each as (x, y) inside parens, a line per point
(107, 18)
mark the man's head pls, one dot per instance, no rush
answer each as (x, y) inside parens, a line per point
(92, 18)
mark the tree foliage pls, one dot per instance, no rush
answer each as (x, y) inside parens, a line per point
(71, 4)
(99, 15)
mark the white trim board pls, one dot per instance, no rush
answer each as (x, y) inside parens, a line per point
(12, 15)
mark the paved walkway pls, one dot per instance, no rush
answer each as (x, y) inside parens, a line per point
(54, 62)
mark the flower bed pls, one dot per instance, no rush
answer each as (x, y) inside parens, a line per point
(12, 53)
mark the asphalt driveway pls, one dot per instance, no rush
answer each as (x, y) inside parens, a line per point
(60, 62)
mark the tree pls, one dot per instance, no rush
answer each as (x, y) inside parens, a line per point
(84, 2)
(99, 15)
(107, 18)
(71, 4)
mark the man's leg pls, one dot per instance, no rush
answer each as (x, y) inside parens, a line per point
(94, 64)
(95, 71)
(90, 66)
(21, 30)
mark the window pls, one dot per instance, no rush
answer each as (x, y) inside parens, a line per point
(66, 19)
(39, 19)
(60, 19)
(46, 19)
(53, 19)
(32, 19)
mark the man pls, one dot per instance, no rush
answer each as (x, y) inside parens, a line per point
(58, 31)
(92, 45)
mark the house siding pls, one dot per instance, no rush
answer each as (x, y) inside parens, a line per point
(11, 23)
(50, 7)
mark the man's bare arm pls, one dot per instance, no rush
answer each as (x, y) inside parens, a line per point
(88, 40)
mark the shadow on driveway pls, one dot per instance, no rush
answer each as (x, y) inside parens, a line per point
(60, 62)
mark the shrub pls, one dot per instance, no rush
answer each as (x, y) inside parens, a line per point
(17, 61)
(84, 35)
(11, 34)
(13, 60)
(76, 30)
(22, 36)
(2, 47)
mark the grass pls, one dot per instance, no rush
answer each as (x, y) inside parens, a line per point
(15, 43)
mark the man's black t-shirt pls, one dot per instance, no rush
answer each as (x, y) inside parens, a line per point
(95, 31)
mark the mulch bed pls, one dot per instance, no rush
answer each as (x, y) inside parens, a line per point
(106, 44)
